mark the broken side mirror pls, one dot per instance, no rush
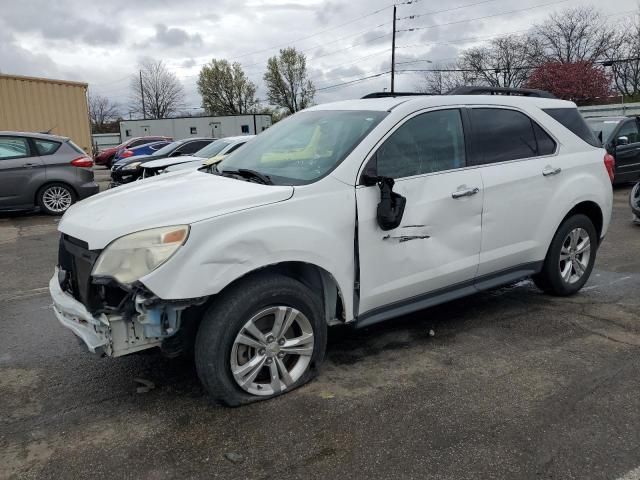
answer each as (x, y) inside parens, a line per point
(392, 204)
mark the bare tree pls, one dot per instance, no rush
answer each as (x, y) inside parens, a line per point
(574, 35)
(101, 112)
(163, 92)
(225, 89)
(505, 62)
(624, 59)
(444, 77)
(288, 85)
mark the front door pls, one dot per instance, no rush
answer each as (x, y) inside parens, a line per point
(18, 163)
(627, 155)
(437, 244)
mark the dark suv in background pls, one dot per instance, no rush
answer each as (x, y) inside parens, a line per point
(46, 171)
(621, 137)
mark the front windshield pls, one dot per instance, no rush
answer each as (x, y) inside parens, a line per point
(304, 147)
(167, 149)
(212, 149)
(602, 128)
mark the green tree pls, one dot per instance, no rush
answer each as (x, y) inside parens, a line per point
(288, 85)
(225, 89)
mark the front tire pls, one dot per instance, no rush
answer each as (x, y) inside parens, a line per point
(570, 258)
(264, 337)
(56, 198)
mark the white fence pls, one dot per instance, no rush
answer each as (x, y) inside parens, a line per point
(105, 140)
(612, 110)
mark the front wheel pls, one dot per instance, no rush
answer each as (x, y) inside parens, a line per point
(570, 258)
(264, 337)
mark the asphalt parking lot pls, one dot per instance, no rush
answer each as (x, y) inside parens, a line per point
(514, 384)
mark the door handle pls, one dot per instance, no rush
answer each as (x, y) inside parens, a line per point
(29, 165)
(548, 171)
(466, 192)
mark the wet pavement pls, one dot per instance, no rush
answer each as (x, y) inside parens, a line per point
(514, 384)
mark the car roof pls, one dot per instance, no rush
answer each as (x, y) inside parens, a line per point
(43, 136)
(427, 101)
(237, 138)
(184, 140)
(608, 119)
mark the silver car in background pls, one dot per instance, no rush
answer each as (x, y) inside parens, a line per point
(46, 171)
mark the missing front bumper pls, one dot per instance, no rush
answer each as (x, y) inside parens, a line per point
(112, 335)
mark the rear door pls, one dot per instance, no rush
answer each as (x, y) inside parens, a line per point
(437, 244)
(627, 156)
(519, 168)
(19, 164)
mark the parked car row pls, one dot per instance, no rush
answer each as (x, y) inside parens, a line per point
(209, 155)
(106, 156)
(127, 170)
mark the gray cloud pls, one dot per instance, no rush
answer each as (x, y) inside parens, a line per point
(175, 37)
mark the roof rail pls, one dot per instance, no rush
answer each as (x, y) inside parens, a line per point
(394, 94)
(521, 92)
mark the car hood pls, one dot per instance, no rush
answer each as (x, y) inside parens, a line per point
(173, 199)
(165, 162)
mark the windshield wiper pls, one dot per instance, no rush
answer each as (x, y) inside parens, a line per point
(249, 174)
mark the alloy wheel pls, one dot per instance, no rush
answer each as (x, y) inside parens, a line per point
(272, 351)
(57, 198)
(574, 255)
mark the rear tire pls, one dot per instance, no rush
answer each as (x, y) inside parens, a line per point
(241, 329)
(570, 257)
(56, 198)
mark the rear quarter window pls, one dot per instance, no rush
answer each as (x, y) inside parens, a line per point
(571, 119)
(46, 147)
(75, 147)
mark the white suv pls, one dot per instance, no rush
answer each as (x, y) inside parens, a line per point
(349, 212)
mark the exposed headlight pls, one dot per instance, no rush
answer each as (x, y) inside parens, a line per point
(133, 256)
(131, 166)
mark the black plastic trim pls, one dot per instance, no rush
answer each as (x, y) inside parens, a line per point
(443, 295)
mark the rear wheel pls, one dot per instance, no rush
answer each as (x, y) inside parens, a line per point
(570, 257)
(56, 198)
(264, 337)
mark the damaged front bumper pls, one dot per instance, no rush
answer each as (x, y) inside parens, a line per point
(114, 334)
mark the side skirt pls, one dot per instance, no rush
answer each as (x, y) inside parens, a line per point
(431, 299)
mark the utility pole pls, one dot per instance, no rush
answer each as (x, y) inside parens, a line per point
(144, 111)
(393, 51)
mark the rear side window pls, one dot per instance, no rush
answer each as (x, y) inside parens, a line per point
(502, 135)
(235, 147)
(571, 119)
(193, 147)
(46, 147)
(546, 144)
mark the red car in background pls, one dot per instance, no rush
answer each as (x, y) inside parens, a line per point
(106, 156)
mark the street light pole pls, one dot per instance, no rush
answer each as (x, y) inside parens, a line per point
(393, 51)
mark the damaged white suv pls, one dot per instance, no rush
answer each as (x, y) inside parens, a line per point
(350, 212)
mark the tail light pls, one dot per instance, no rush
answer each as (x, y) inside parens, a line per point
(126, 154)
(82, 162)
(610, 165)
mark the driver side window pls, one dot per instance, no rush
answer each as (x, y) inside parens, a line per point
(428, 143)
(630, 130)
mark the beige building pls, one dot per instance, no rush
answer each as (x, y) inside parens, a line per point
(59, 107)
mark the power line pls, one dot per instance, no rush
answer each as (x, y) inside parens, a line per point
(413, 29)
(411, 17)
(353, 81)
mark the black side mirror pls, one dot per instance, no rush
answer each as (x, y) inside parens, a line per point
(391, 206)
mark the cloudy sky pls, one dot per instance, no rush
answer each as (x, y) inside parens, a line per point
(101, 42)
